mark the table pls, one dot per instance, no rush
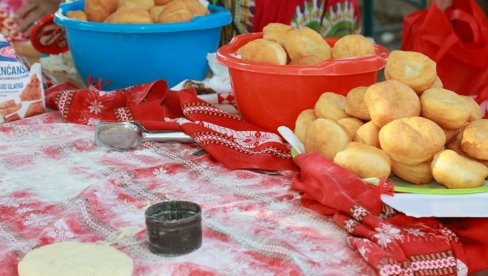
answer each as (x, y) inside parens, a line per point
(57, 185)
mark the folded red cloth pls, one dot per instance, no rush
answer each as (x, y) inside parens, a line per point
(389, 241)
(231, 141)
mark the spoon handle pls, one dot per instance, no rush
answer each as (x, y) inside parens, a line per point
(167, 136)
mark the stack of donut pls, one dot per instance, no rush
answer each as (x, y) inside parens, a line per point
(407, 125)
(282, 44)
(139, 11)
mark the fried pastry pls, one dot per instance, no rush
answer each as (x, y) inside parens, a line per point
(412, 68)
(390, 100)
(330, 106)
(304, 119)
(417, 174)
(155, 13)
(133, 4)
(276, 32)
(99, 10)
(303, 42)
(326, 137)
(474, 141)
(351, 125)
(475, 112)
(263, 51)
(364, 161)
(130, 16)
(80, 15)
(368, 134)
(445, 107)
(412, 140)
(353, 45)
(455, 171)
(355, 105)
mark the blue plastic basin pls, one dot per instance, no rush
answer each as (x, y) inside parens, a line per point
(129, 54)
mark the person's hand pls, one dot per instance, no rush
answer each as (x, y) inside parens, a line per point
(32, 11)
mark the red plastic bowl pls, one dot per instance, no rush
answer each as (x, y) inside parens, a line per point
(273, 95)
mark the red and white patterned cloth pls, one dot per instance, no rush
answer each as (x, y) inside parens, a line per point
(57, 185)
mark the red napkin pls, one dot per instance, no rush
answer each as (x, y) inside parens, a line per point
(231, 141)
(391, 242)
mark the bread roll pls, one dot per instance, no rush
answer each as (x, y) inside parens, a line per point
(263, 51)
(326, 137)
(455, 171)
(304, 119)
(412, 68)
(412, 140)
(355, 105)
(390, 100)
(353, 45)
(364, 161)
(330, 106)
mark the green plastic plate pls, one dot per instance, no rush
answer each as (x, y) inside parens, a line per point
(433, 188)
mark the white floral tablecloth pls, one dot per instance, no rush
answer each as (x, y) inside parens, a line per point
(57, 185)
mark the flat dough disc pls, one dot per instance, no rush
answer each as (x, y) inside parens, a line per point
(75, 258)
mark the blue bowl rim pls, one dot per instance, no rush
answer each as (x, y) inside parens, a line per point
(218, 17)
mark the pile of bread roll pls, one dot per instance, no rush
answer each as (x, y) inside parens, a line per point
(282, 44)
(139, 11)
(407, 125)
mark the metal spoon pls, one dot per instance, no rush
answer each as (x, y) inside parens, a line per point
(127, 135)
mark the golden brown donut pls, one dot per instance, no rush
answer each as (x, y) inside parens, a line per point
(455, 171)
(355, 105)
(368, 134)
(263, 51)
(353, 45)
(330, 106)
(276, 32)
(390, 100)
(416, 174)
(475, 112)
(131, 16)
(99, 10)
(412, 68)
(326, 137)
(474, 141)
(412, 140)
(364, 161)
(445, 107)
(305, 42)
(302, 122)
(135, 4)
(80, 15)
(351, 125)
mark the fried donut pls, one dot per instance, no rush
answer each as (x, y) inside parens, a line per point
(331, 106)
(263, 51)
(390, 100)
(304, 119)
(474, 141)
(446, 108)
(368, 134)
(364, 161)
(475, 112)
(417, 174)
(355, 105)
(99, 10)
(412, 140)
(353, 45)
(131, 16)
(276, 32)
(412, 68)
(351, 125)
(303, 42)
(326, 137)
(455, 171)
